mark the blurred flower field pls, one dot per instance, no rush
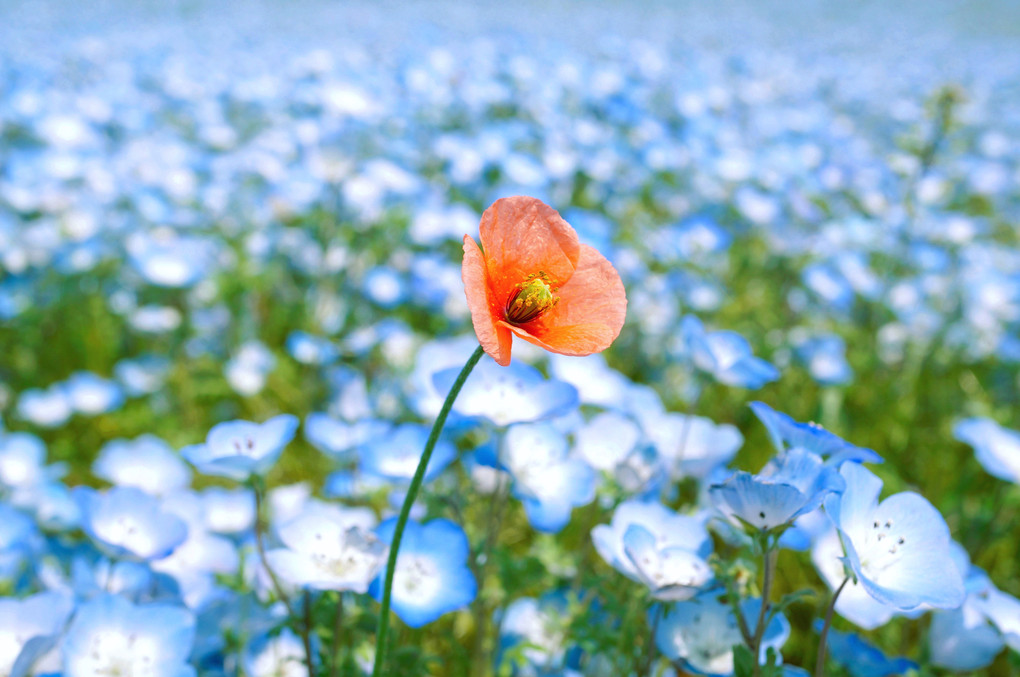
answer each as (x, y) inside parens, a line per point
(231, 307)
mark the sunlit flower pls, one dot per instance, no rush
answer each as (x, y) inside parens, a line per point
(534, 279)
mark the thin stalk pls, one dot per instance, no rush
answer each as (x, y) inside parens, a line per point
(405, 510)
(820, 663)
(496, 512)
(771, 554)
(338, 623)
(306, 635)
(650, 649)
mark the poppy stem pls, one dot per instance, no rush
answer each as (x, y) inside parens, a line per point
(405, 510)
(820, 663)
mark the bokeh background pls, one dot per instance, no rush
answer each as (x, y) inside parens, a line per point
(216, 210)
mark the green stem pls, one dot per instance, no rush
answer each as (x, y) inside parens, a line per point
(338, 623)
(820, 663)
(405, 510)
(771, 554)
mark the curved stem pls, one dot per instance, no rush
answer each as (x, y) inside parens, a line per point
(405, 510)
(820, 663)
(771, 555)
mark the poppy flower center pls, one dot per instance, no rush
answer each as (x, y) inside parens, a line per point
(530, 299)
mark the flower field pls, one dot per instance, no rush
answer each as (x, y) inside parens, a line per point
(583, 339)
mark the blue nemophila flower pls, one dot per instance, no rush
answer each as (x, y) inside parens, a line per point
(517, 393)
(786, 433)
(724, 355)
(788, 486)
(699, 634)
(654, 561)
(996, 448)
(310, 349)
(329, 549)
(338, 438)
(129, 523)
(49, 408)
(854, 603)
(35, 621)
(692, 446)
(22, 461)
(394, 454)
(898, 549)
(825, 359)
(147, 462)
(861, 658)
(238, 449)
(110, 635)
(281, 655)
(970, 637)
(143, 375)
(90, 394)
(247, 370)
(607, 439)
(19, 538)
(432, 577)
(549, 483)
(673, 573)
(541, 626)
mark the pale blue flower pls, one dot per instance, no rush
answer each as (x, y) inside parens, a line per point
(725, 356)
(549, 483)
(329, 549)
(147, 463)
(997, 448)
(861, 658)
(282, 655)
(699, 634)
(432, 577)
(517, 393)
(40, 617)
(89, 394)
(898, 549)
(668, 529)
(128, 523)
(238, 449)
(785, 433)
(787, 487)
(394, 455)
(110, 635)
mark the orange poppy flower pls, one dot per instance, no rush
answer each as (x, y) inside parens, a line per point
(534, 279)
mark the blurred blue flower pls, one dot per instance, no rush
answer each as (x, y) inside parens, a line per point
(786, 433)
(147, 463)
(49, 408)
(238, 449)
(395, 453)
(281, 655)
(825, 359)
(247, 370)
(997, 448)
(110, 635)
(37, 617)
(432, 577)
(691, 446)
(668, 530)
(861, 658)
(329, 550)
(699, 634)
(126, 522)
(549, 483)
(338, 439)
(90, 394)
(143, 375)
(724, 355)
(310, 349)
(898, 549)
(517, 393)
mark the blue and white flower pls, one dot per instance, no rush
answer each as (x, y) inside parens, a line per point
(127, 522)
(898, 549)
(432, 577)
(238, 449)
(996, 448)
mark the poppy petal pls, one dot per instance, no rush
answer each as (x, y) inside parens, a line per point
(523, 236)
(495, 340)
(589, 314)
